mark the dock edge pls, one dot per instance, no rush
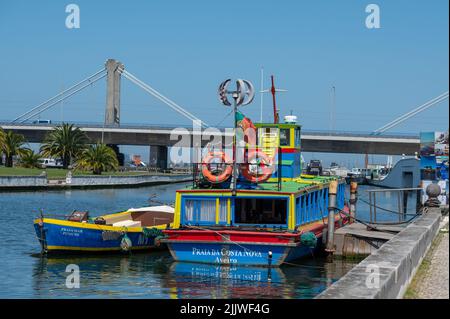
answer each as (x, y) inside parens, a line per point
(386, 273)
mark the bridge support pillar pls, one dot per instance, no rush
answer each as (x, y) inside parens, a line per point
(112, 116)
(158, 156)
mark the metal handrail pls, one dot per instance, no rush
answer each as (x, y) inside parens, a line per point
(402, 201)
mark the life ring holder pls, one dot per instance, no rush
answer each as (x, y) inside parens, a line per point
(208, 173)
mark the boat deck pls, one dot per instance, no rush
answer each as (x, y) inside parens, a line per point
(292, 185)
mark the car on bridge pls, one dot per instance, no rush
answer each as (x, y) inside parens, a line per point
(42, 121)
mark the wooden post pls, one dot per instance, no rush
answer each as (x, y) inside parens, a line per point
(331, 210)
(353, 199)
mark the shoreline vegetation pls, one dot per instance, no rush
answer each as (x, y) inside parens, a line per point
(70, 148)
(60, 173)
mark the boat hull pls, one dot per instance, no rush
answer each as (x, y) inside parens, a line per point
(236, 248)
(65, 236)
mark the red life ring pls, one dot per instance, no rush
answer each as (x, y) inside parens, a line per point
(265, 165)
(208, 174)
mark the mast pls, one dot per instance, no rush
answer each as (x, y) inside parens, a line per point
(273, 90)
(275, 111)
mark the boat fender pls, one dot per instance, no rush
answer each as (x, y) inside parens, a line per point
(308, 239)
(125, 243)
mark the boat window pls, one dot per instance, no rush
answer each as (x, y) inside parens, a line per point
(285, 137)
(297, 137)
(208, 211)
(199, 210)
(223, 205)
(189, 211)
(260, 211)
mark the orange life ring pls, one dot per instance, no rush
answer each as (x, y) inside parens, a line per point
(208, 174)
(266, 167)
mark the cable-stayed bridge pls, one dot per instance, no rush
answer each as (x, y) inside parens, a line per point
(111, 131)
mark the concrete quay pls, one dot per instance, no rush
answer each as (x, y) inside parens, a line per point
(388, 271)
(18, 183)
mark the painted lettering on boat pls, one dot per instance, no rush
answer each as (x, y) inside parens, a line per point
(111, 235)
(224, 252)
(226, 273)
(73, 232)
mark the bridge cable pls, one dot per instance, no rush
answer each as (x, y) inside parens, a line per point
(412, 113)
(57, 96)
(63, 98)
(161, 97)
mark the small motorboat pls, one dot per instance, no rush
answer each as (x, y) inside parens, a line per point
(134, 229)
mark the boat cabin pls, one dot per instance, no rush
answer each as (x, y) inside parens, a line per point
(285, 201)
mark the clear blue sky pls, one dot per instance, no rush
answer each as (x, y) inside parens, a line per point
(186, 48)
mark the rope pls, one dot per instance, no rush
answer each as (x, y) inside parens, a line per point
(340, 211)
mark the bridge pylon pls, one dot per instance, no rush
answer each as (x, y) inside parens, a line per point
(114, 70)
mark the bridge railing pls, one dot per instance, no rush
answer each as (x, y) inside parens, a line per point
(305, 132)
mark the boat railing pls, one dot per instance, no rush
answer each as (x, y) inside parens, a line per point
(402, 195)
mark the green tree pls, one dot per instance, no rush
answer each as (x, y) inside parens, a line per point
(12, 144)
(65, 142)
(30, 159)
(98, 158)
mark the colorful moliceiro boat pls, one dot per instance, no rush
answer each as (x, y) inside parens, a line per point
(134, 229)
(272, 216)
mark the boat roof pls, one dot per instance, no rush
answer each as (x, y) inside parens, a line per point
(162, 209)
(294, 185)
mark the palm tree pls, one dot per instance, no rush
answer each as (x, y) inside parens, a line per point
(66, 142)
(30, 159)
(98, 158)
(11, 145)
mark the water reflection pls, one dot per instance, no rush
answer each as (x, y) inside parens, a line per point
(136, 275)
(302, 280)
(25, 274)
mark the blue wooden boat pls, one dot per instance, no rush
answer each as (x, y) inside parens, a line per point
(134, 229)
(261, 211)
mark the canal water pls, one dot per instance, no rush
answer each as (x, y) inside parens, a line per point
(24, 273)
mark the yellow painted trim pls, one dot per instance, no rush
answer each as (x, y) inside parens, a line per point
(262, 193)
(217, 210)
(292, 212)
(116, 214)
(94, 248)
(229, 211)
(95, 226)
(292, 137)
(177, 216)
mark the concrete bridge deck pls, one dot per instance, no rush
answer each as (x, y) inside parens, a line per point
(159, 135)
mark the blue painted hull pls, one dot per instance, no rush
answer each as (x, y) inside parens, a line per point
(237, 254)
(63, 238)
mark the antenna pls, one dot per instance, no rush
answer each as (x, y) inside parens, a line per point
(262, 95)
(333, 107)
(273, 90)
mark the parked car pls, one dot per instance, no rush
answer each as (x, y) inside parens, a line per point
(50, 163)
(314, 167)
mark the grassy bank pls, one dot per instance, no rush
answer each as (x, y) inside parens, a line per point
(56, 173)
(413, 289)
